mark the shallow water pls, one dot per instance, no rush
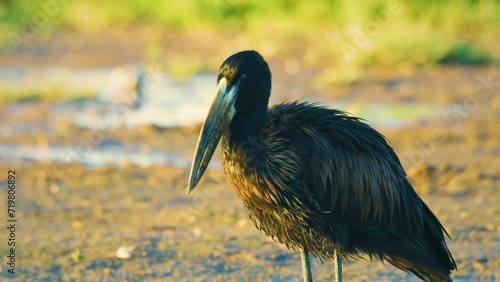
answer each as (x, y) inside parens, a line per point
(116, 155)
(103, 156)
(131, 96)
(392, 115)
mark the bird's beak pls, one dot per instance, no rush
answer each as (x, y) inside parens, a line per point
(218, 119)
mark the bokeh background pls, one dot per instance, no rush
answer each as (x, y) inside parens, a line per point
(101, 103)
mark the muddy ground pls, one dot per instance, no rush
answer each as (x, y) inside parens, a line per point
(72, 219)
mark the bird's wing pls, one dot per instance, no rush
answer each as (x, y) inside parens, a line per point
(349, 169)
(342, 178)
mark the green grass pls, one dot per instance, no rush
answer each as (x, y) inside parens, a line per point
(51, 94)
(348, 33)
(466, 54)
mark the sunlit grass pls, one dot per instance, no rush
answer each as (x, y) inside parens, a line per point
(343, 32)
(185, 67)
(49, 94)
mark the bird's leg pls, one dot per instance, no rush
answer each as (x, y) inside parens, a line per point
(306, 264)
(338, 267)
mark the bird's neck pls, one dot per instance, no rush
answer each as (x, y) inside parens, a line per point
(245, 126)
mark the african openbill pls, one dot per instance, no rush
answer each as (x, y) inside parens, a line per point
(317, 179)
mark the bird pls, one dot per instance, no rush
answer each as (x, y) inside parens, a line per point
(316, 179)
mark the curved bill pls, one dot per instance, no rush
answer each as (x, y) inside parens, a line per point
(218, 119)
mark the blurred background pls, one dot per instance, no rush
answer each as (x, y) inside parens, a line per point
(101, 103)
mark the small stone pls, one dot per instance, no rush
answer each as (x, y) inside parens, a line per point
(242, 222)
(197, 232)
(124, 252)
(77, 224)
(54, 188)
(463, 214)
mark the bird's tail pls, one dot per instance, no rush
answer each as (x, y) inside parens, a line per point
(429, 262)
(426, 257)
(424, 273)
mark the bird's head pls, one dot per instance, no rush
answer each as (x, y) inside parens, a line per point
(244, 86)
